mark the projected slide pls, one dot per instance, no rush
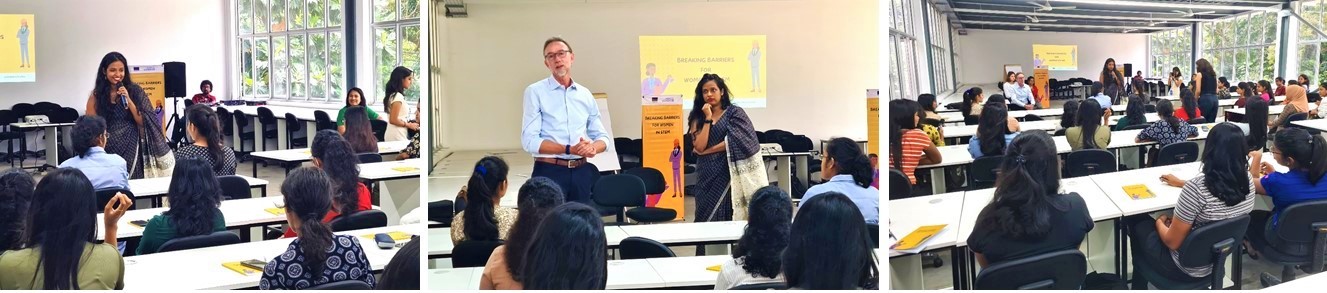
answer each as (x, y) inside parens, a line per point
(1055, 57)
(18, 48)
(672, 65)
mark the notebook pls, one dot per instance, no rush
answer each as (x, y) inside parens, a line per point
(276, 211)
(913, 243)
(1138, 191)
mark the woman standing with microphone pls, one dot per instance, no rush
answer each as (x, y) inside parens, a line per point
(134, 131)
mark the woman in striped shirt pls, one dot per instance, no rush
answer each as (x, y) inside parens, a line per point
(908, 144)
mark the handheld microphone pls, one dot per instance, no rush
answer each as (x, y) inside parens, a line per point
(123, 99)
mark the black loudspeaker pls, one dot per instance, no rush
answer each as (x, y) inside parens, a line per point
(176, 84)
(1128, 69)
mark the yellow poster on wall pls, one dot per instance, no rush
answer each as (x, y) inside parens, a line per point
(872, 121)
(153, 80)
(661, 139)
(666, 61)
(18, 48)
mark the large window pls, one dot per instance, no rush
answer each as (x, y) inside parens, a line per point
(396, 42)
(903, 45)
(289, 49)
(942, 74)
(1169, 49)
(1242, 48)
(1311, 51)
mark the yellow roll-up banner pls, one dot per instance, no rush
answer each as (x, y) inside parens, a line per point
(661, 139)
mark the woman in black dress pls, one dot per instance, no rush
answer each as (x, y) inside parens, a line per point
(722, 133)
(1111, 79)
(135, 134)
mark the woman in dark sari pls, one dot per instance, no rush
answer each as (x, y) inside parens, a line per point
(727, 152)
(135, 132)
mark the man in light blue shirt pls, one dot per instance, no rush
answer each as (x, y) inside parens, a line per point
(1101, 98)
(561, 127)
(103, 169)
(1020, 95)
(848, 171)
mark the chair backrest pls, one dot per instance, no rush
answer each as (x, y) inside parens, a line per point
(640, 247)
(45, 108)
(218, 238)
(1296, 221)
(1090, 162)
(293, 124)
(265, 115)
(366, 158)
(1177, 153)
(933, 122)
(234, 187)
(104, 196)
(762, 286)
(68, 115)
(188, 102)
(982, 171)
(775, 135)
(619, 190)
(1296, 117)
(1211, 244)
(379, 129)
(1060, 132)
(224, 117)
(874, 231)
(899, 185)
(470, 253)
(241, 120)
(323, 121)
(799, 143)
(1197, 120)
(1060, 270)
(24, 109)
(1032, 117)
(655, 183)
(342, 285)
(1137, 126)
(1150, 108)
(442, 211)
(7, 117)
(359, 220)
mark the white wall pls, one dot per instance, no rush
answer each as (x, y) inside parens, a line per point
(984, 53)
(73, 35)
(822, 57)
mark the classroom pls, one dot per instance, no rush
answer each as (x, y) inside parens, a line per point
(1106, 145)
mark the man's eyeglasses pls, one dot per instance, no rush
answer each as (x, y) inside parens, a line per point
(556, 55)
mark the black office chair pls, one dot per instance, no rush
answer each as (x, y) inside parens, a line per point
(618, 192)
(1137, 126)
(234, 187)
(899, 185)
(1090, 162)
(1150, 108)
(982, 172)
(323, 121)
(268, 120)
(218, 238)
(224, 117)
(359, 220)
(105, 195)
(342, 285)
(1299, 117)
(379, 129)
(366, 158)
(1060, 270)
(294, 126)
(242, 121)
(1298, 241)
(470, 253)
(639, 248)
(1059, 132)
(1210, 244)
(188, 102)
(874, 231)
(927, 121)
(1032, 117)
(1177, 153)
(762, 286)
(10, 135)
(655, 183)
(1197, 120)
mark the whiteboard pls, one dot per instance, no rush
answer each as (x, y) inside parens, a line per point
(1010, 67)
(607, 160)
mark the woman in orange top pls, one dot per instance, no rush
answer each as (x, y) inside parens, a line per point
(503, 270)
(333, 155)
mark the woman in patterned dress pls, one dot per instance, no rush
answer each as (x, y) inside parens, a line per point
(722, 133)
(134, 131)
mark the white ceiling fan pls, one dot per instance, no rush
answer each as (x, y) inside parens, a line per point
(1029, 28)
(1190, 13)
(1048, 7)
(1034, 19)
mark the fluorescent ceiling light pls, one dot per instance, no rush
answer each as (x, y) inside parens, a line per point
(1062, 15)
(1167, 5)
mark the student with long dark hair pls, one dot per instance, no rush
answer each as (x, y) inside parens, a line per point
(359, 132)
(1089, 133)
(60, 250)
(483, 219)
(1205, 89)
(195, 201)
(1255, 114)
(937, 134)
(1222, 88)
(394, 103)
(1068, 119)
(1175, 81)
(1188, 106)
(1221, 191)
(128, 112)
(908, 145)
(205, 130)
(316, 256)
(1304, 154)
(1280, 87)
(568, 252)
(1112, 79)
(1028, 215)
(536, 198)
(1265, 91)
(829, 247)
(354, 98)
(104, 170)
(15, 193)
(929, 105)
(845, 169)
(756, 257)
(402, 272)
(1169, 129)
(1246, 92)
(332, 155)
(1134, 114)
(994, 131)
(971, 106)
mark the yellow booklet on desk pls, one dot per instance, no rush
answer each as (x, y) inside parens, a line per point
(716, 268)
(913, 242)
(1138, 191)
(238, 267)
(276, 211)
(405, 169)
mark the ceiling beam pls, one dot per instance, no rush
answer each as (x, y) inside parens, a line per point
(1062, 15)
(1029, 8)
(1168, 5)
(1119, 27)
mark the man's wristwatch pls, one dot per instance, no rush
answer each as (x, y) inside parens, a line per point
(568, 149)
(707, 121)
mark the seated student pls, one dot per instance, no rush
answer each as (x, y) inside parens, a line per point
(1297, 101)
(1222, 88)
(1221, 191)
(208, 145)
(1188, 106)
(1028, 215)
(411, 150)
(1134, 114)
(929, 105)
(359, 132)
(756, 257)
(994, 132)
(402, 272)
(845, 169)
(316, 256)
(935, 132)
(971, 106)
(1089, 133)
(567, 251)
(875, 170)
(1245, 91)
(354, 98)
(482, 219)
(1070, 116)
(195, 198)
(1304, 154)
(1265, 91)
(1169, 129)
(60, 243)
(15, 194)
(909, 146)
(829, 247)
(1280, 86)
(333, 156)
(537, 197)
(1256, 117)
(1102, 99)
(103, 169)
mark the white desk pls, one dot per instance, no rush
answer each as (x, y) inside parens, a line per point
(52, 147)
(387, 170)
(1316, 124)
(970, 130)
(783, 161)
(1166, 196)
(688, 271)
(905, 216)
(455, 278)
(291, 158)
(155, 188)
(1272, 110)
(238, 213)
(445, 188)
(440, 240)
(676, 234)
(200, 269)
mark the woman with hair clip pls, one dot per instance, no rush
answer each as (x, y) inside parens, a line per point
(195, 201)
(483, 219)
(1188, 106)
(394, 102)
(728, 153)
(1306, 158)
(130, 123)
(15, 194)
(103, 169)
(1297, 101)
(567, 252)
(333, 156)
(756, 256)
(354, 98)
(60, 239)
(971, 106)
(359, 132)
(1028, 215)
(1255, 114)
(1223, 190)
(205, 131)
(1133, 114)
(1089, 133)
(316, 256)
(536, 198)
(829, 247)
(845, 169)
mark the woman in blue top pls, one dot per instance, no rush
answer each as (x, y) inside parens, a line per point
(995, 129)
(1306, 158)
(846, 170)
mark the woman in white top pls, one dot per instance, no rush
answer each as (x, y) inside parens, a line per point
(757, 256)
(1008, 83)
(397, 123)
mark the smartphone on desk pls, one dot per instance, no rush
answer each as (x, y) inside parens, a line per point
(139, 223)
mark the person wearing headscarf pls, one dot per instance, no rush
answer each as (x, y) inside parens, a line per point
(1297, 101)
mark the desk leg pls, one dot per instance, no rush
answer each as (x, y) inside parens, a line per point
(905, 273)
(310, 130)
(282, 138)
(785, 175)
(52, 149)
(803, 170)
(1121, 250)
(959, 268)
(259, 135)
(937, 180)
(255, 166)
(235, 137)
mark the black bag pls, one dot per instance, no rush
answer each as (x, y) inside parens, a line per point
(1100, 281)
(441, 211)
